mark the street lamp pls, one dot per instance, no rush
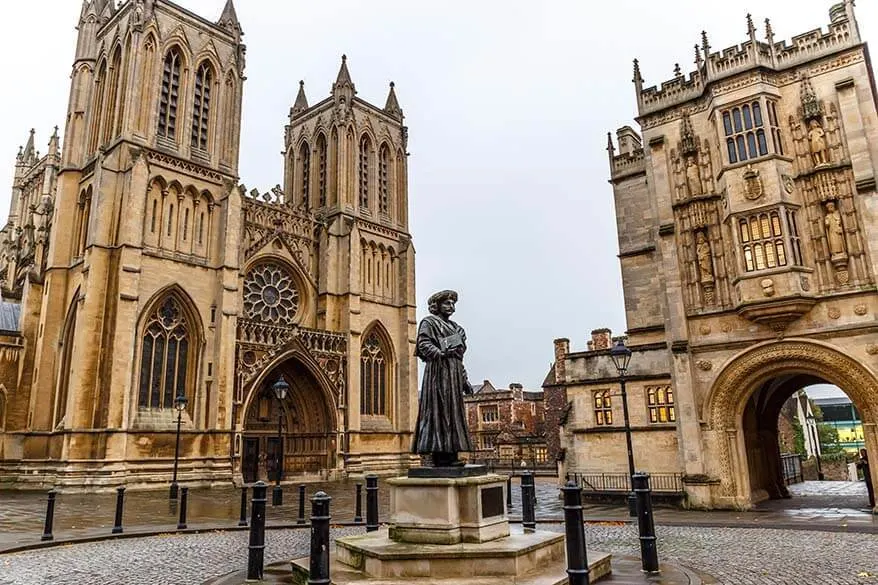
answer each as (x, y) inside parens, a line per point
(280, 389)
(815, 442)
(180, 403)
(621, 355)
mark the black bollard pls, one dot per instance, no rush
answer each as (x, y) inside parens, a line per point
(301, 518)
(371, 503)
(184, 499)
(358, 513)
(577, 559)
(50, 517)
(528, 520)
(243, 519)
(318, 572)
(256, 550)
(120, 502)
(508, 493)
(646, 524)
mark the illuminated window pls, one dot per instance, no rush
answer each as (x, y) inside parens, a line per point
(762, 242)
(603, 408)
(660, 402)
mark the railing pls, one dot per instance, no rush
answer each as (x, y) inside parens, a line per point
(666, 483)
(792, 468)
(516, 464)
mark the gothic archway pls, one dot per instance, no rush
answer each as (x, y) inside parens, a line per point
(761, 378)
(308, 424)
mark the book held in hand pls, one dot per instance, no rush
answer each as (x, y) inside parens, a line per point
(451, 342)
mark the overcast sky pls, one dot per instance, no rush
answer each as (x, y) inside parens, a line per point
(508, 103)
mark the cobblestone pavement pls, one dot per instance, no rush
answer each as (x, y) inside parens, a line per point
(734, 556)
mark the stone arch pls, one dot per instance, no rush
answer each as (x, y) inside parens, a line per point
(62, 382)
(748, 371)
(376, 349)
(305, 297)
(4, 400)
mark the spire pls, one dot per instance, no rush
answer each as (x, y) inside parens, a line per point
(301, 101)
(678, 73)
(611, 150)
(29, 154)
(638, 79)
(229, 19)
(698, 60)
(343, 84)
(751, 30)
(769, 32)
(54, 143)
(392, 105)
(705, 45)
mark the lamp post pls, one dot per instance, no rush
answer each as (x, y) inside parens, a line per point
(280, 389)
(621, 356)
(180, 403)
(815, 442)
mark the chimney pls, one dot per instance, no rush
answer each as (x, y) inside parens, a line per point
(562, 348)
(601, 339)
(838, 13)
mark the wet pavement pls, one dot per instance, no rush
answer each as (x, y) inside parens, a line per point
(834, 506)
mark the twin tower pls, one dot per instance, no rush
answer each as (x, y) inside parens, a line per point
(142, 280)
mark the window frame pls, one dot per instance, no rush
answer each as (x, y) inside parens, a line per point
(745, 128)
(602, 408)
(660, 400)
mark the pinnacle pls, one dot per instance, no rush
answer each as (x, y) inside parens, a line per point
(344, 75)
(301, 103)
(392, 104)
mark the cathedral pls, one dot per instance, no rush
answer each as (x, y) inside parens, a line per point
(146, 292)
(747, 220)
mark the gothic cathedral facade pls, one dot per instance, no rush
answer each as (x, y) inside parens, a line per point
(142, 282)
(747, 220)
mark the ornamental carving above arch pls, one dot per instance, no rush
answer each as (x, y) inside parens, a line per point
(737, 381)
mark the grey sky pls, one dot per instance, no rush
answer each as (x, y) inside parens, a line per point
(508, 103)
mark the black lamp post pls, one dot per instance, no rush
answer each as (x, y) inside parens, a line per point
(280, 389)
(180, 403)
(815, 442)
(621, 355)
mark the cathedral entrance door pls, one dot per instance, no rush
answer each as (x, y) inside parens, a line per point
(307, 426)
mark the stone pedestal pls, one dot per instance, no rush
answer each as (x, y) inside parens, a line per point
(439, 510)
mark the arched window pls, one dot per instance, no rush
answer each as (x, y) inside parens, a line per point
(375, 375)
(164, 355)
(201, 108)
(384, 185)
(365, 155)
(305, 176)
(113, 94)
(321, 170)
(170, 94)
(61, 392)
(98, 107)
(146, 72)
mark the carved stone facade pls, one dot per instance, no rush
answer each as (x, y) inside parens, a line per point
(136, 269)
(748, 238)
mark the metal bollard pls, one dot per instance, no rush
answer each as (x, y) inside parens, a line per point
(120, 502)
(646, 524)
(508, 493)
(318, 572)
(50, 516)
(243, 520)
(256, 550)
(358, 513)
(184, 499)
(577, 559)
(528, 520)
(371, 503)
(301, 518)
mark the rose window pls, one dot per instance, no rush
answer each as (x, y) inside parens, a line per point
(270, 295)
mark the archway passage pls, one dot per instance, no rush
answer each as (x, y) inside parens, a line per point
(795, 460)
(747, 398)
(307, 439)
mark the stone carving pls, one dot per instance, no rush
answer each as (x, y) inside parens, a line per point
(788, 183)
(704, 329)
(861, 309)
(702, 252)
(753, 188)
(872, 348)
(834, 231)
(441, 430)
(834, 312)
(726, 327)
(691, 164)
(693, 177)
(270, 295)
(704, 365)
(806, 284)
(767, 287)
(817, 143)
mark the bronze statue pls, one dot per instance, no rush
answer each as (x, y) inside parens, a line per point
(441, 430)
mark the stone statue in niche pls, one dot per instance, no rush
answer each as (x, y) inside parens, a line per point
(693, 177)
(834, 231)
(817, 143)
(703, 255)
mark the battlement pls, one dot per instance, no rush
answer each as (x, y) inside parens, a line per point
(842, 33)
(631, 159)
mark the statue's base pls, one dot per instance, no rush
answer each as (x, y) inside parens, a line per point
(453, 471)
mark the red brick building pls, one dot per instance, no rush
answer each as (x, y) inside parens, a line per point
(507, 423)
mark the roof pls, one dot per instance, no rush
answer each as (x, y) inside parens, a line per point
(10, 316)
(533, 394)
